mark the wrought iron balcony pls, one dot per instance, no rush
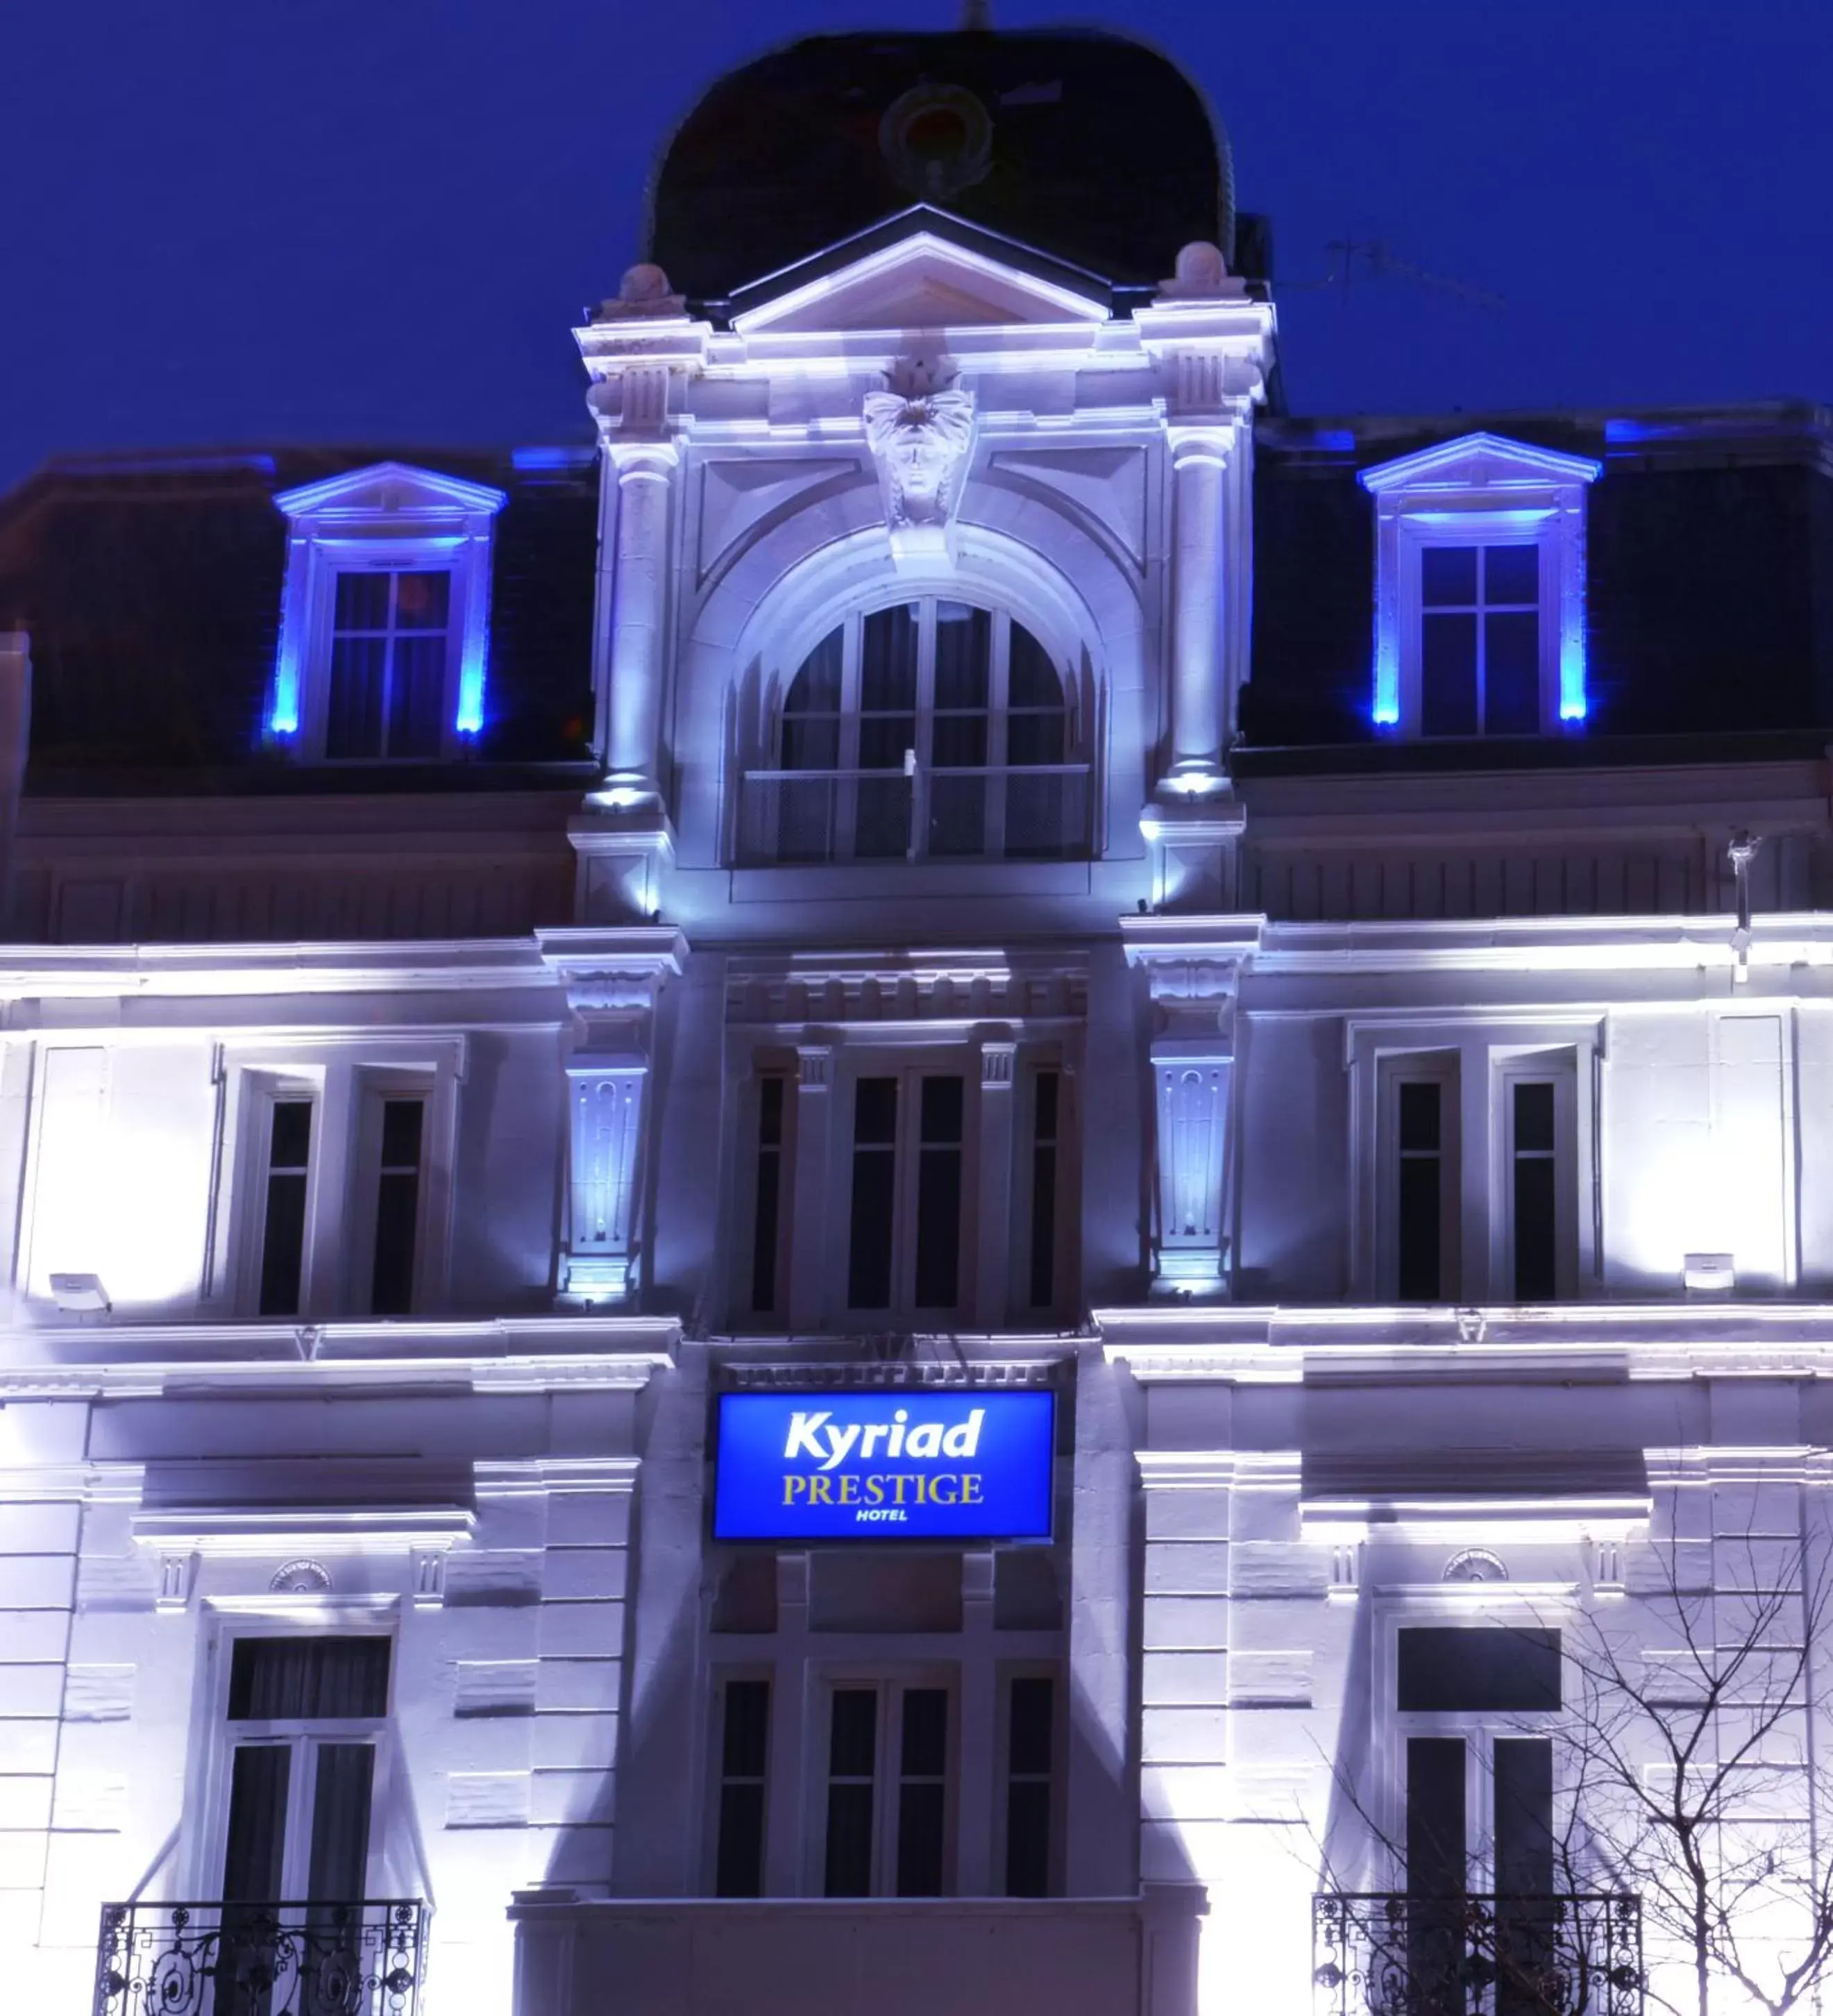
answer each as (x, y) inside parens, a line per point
(367, 1959)
(1381, 1954)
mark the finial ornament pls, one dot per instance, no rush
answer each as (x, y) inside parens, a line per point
(1202, 274)
(920, 430)
(644, 294)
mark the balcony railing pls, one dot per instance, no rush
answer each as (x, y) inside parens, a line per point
(1381, 1954)
(366, 1959)
(1038, 812)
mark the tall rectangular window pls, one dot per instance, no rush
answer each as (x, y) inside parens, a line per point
(873, 1227)
(888, 1803)
(939, 1194)
(389, 650)
(1040, 1282)
(1533, 1208)
(744, 1752)
(904, 1231)
(853, 1771)
(1479, 645)
(283, 1218)
(1419, 1192)
(1030, 1737)
(397, 1207)
(768, 1205)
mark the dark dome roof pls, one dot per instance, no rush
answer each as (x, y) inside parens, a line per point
(1086, 145)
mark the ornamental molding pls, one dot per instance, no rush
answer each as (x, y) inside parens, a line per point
(920, 430)
(902, 1371)
(961, 991)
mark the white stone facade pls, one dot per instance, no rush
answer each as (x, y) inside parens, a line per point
(1272, 1460)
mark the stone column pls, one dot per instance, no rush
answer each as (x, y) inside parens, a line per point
(630, 706)
(612, 979)
(1199, 456)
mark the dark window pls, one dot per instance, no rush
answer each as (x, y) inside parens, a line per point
(397, 1207)
(1524, 1816)
(290, 1147)
(1046, 1088)
(305, 1679)
(1479, 638)
(1535, 1211)
(923, 1787)
(852, 1777)
(1029, 1737)
(767, 1219)
(874, 1191)
(1445, 1670)
(1435, 1816)
(1419, 1200)
(744, 1748)
(388, 664)
(939, 1193)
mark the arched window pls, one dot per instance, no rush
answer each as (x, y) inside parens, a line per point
(934, 728)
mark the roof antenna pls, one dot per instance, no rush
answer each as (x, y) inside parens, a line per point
(976, 16)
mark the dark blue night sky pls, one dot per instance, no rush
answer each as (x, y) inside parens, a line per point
(369, 220)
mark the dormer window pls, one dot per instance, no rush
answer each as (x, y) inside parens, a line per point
(931, 729)
(385, 623)
(1479, 626)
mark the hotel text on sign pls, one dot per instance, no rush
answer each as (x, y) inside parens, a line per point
(901, 1464)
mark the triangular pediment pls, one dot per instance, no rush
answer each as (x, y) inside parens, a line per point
(381, 488)
(923, 281)
(1479, 462)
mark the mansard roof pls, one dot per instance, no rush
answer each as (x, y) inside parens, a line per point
(1087, 144)
(150, 585)
(1708, 610)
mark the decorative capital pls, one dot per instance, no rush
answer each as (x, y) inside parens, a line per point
(997, 1060)
(920, 434)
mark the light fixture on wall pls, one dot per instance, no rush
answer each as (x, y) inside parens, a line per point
(80, 1293)
(1709, 1273)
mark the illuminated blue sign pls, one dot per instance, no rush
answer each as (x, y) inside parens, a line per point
(897, 1464)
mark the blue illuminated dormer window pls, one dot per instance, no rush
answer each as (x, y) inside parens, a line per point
(385, 620)
(1479, 599)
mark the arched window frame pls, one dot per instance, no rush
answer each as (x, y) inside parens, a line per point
(852, 735)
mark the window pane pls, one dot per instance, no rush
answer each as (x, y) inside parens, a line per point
(1511, 574)
(1511, 673)
(258, 1824)
(852, 1760)
(1043, 1179)
(1536, 1268)
(362, 601)
(1533, 1117)
(284, 1206)
(958, 805)
(964, 651)
(888, 661)
(1037, 738)
(1029, 1741)
(338, 1869)
(874, 1111)
(397, 1208)
(958, 741)
(1447, 675)
(1420, 1107)
(1421, 1273)
(1524, 1816)
(769, 1209)
(815, 687)
(1027, 1837)
(810, 744)
(853, 1749)
(416, 697)
(875, 1135)
(1447, 576)
(1434, 1822)
(305, 1679)
(1031, 679)
(422, 600)
(925, 1748)
(938, 1195)
(1447, 1670)
(353, 721)
(746, 1734)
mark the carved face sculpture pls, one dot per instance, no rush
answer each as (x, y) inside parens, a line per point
(918, 441)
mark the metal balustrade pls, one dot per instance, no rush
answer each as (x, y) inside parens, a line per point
(364, 1958)
(1386, 1954)
(1035, 812)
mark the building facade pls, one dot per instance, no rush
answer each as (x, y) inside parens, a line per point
(945, 1182)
